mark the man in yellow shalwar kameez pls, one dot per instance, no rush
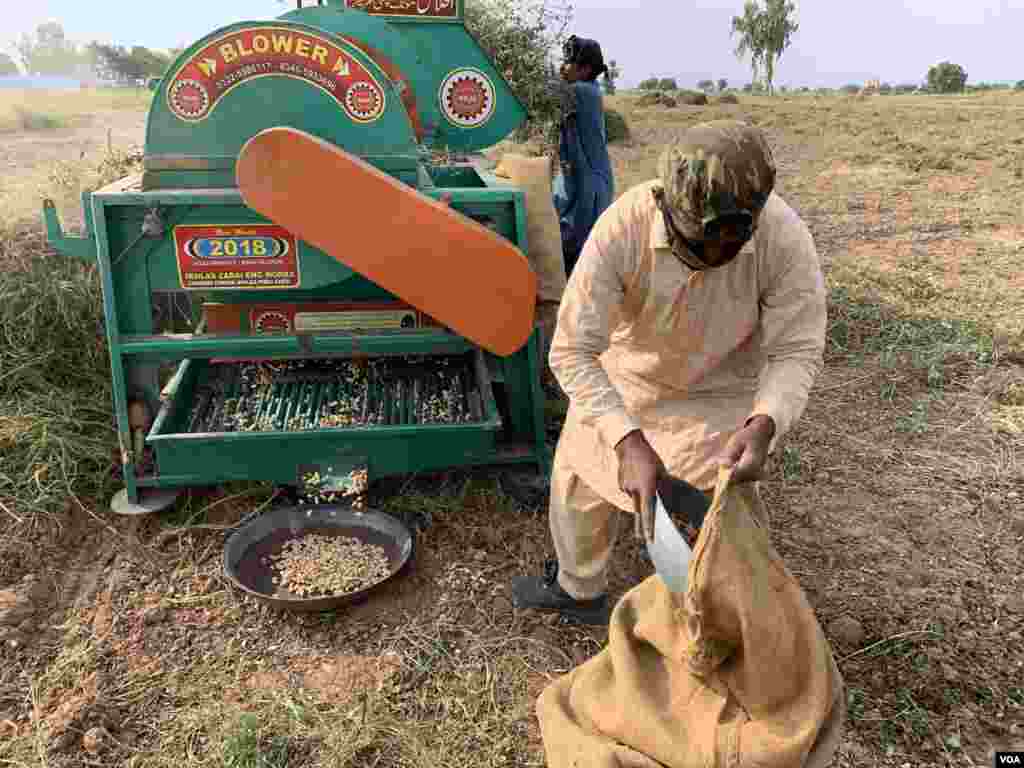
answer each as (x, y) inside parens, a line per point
(688, 337)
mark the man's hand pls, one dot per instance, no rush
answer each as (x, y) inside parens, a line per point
(747, 451)
(639, 469)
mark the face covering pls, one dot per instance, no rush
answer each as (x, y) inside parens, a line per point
(722, 242)
(715, 182)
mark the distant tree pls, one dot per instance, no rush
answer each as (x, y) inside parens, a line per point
(7, 65)
(705, 85)
(49, 52)
(885, 88)
(722, 84)
(668, 84)
(613, 74)
(850, 88)
(765, 33)
(946, 77)
(114, 62)
(151, 63)
(650, 84)
(748, 88)
(106, 60)
(751, 38)
(1020, 85)
(779, 28)
(120, 63)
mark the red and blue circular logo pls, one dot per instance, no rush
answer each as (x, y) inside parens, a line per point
(467, 98)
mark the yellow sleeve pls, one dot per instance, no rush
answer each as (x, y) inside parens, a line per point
(590, 311)
(793, 325)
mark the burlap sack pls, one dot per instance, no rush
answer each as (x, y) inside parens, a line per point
(735, 673)
(543, 233)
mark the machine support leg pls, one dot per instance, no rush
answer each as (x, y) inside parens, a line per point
(131, 500)
(537, 397)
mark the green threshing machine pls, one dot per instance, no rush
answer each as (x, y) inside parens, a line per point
(240, 351)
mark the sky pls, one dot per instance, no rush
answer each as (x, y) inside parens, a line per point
(837, 43)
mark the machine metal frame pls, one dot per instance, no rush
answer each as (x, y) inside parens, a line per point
(129, 236)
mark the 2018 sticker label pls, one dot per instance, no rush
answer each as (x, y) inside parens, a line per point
(246, 54)
(212, 257)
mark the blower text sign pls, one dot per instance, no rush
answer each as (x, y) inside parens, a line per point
(246, 54)
(236, 257)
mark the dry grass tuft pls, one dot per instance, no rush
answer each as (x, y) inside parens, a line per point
(56, 423)
(52, 109)
(30, 121)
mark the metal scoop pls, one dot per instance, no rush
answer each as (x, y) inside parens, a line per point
(668, 548)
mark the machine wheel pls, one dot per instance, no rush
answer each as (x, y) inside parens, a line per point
(151, 501)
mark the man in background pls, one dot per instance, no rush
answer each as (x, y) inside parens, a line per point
(585, 186)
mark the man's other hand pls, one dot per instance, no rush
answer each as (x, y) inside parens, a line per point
(747, 451)
(639, 469)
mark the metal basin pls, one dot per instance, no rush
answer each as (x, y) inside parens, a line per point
(265, 536)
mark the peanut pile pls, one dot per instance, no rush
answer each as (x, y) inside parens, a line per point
(318, 566)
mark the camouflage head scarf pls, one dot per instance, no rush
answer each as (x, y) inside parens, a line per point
(719, 171)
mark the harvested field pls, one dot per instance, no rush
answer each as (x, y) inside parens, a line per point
(898, 501)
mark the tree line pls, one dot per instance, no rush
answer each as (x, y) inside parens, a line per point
(764, 32)
(48, 52)
(944, 77)
(523, 39)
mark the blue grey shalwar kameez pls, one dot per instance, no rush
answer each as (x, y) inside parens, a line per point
(586, 185)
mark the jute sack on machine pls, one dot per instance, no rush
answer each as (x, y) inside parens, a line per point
(543, 233)
(736, 673)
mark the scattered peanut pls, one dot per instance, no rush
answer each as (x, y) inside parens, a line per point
(313, 489)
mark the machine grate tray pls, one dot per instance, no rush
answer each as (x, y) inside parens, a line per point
(313, 394)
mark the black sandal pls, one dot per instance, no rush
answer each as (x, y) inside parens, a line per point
(545, 594)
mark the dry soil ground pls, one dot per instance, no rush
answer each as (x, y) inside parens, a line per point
(67, 133)
(898, 501)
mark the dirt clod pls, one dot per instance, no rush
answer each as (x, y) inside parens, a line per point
(847, 631)
(156, 615)
(20, 603)
(8, 599)
(96, 740)
(345, 677)
(656, 100)
(692, 98)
